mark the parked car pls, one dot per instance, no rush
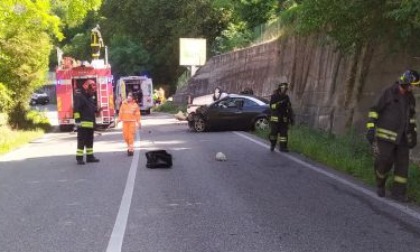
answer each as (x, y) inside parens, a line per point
(39, 97)
(232, 112)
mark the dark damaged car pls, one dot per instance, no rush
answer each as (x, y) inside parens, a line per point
(232, 112)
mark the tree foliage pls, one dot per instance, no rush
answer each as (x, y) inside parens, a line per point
(72, 13)
(356, 22)
(127, 56)
(157, 25)
(27, 30)
(244, 16)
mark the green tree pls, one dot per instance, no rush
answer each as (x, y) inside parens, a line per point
(76, 42)
(27, 29)
(5, 98)
(243, 16)
(157, 25)
(354, 23)
(127, 56)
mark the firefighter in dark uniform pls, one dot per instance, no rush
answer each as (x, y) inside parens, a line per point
(84, 115)
(392, 132)
(280, 118)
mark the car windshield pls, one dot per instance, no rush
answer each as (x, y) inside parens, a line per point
(248, 101)
(39, 92)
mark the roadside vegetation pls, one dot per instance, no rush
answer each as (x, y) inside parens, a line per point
(349, 153)
(36, 125)
(170, 107)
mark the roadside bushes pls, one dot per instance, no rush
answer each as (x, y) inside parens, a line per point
(22, 119)
(170, 107)
(37, 120)
(11, 139)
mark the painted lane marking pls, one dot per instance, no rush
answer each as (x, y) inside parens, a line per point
(117, 235)
(402, 208)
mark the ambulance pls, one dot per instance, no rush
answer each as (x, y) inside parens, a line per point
(142, 89)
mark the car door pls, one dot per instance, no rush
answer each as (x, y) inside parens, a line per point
(227, 114)
(251, 110)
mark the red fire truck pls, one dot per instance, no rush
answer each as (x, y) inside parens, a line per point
(71, 75)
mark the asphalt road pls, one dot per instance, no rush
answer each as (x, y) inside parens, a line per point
(255, 201)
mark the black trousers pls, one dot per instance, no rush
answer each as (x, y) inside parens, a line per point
(387, 156)
(84, 140)
(279, 133)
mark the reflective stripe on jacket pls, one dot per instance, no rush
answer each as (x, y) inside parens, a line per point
(84, 110)
(281, 109)
(392, 115)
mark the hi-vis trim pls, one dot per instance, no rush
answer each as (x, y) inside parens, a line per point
(76, 115)
(89, 151)
(87, 125)
(388, 132)
(370, 125)
(273, 106)
(415, 82)
(384, 136)
(400, 180)
(373, 115)
(79, 153)
(274, 119)
(412, 120)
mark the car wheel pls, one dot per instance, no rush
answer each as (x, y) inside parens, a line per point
(190, 120)
(199, 124)
(261, 124)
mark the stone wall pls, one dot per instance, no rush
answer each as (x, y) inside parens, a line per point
(329, 90)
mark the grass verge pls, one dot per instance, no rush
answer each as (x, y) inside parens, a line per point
(11, 139)
(349, 153)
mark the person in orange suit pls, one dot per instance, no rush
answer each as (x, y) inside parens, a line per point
(130, 115)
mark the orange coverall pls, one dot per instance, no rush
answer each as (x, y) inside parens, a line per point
(130, 115)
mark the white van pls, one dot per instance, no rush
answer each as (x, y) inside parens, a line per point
(140, 86)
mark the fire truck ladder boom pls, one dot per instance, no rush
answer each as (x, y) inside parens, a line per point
(104, 102)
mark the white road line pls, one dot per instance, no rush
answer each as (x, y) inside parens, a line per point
(402, 208)
(117, 236)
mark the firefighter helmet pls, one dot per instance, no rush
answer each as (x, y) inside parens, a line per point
(410, 77)
(283, 86)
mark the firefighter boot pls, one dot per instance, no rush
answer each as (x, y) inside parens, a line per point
(283, 147)
(380, 190)
(91, 159)
(273, 146)
(80, 161)
(399, 192)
